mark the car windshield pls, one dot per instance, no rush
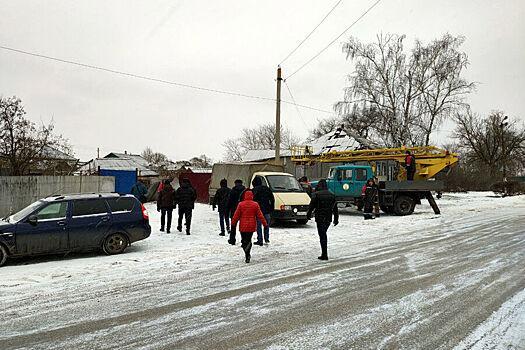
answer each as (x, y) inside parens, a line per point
(24, 212)
(284, 183)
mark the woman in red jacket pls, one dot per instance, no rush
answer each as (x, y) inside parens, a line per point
(248, 211)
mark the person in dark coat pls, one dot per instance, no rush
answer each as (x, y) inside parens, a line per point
(185, 197)
(369, 194)
(220, 200)
(303, 181)
(233, 201)
(248, 213)
(264, 197)
(324, 205)
(139, 191)
(410, 165)
(166, 204)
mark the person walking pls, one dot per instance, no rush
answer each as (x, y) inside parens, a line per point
(220, 200)
(324, 205)
(166, 204)
(369, 194)
(376, 199)
(410, 165)
(233, 201)
(264, 197)
(139, 191)
(185, 197)
(247, 214)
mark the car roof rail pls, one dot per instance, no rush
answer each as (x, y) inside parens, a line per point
(59, 197)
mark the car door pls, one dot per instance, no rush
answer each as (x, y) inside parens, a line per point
(344, 183)
(48, 234)
(89, 223)
(360, 177)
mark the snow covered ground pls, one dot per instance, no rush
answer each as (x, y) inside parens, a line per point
(178, 291)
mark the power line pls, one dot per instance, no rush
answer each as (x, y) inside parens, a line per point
(309, 34)
(296, 107)
(333, 41)
(137, 76)
(132, 75)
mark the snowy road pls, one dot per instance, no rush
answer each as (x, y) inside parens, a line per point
(420, 282)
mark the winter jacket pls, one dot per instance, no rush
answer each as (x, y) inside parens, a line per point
(166, 198)
(324, 204)
(185, 196)
(247, 212)
(370, 193)
(235, 197)
(221, 199)
(264, 197)
(139, 191)
(410, 161)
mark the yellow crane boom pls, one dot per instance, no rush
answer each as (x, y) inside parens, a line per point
(430, 160)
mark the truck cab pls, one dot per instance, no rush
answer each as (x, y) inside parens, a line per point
(346, 181)
(291, 201)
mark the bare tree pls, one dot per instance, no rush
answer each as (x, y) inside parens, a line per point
(490, 144)
(257, 138)
(202, 161)
(156, 159)
(23, 144)
(410, 94)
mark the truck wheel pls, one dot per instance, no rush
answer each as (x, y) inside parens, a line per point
(387, 209)
(3, 255)
(302, 221)
(404, 205)
(115, 244)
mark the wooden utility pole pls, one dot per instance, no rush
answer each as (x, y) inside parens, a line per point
(278, 119)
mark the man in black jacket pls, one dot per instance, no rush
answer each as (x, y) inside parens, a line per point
(324, 204)
(221, 200)
(185, 197)
(264, 196)
(233, 201)
(166, 204)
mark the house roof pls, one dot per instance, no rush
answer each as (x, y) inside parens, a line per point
(135, 157)
(338, 140)
(128, 164)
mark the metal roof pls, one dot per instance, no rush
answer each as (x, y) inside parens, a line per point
(117, 164)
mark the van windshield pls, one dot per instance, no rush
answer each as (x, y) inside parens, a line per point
(284, 183)
(24, 212)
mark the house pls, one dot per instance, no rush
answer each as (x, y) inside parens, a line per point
(51, 161)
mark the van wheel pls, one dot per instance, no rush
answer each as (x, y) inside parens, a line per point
(3, 255)
(302, 221)
(404, 205)
(115, 243)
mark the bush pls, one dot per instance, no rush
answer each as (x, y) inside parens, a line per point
(513, 188)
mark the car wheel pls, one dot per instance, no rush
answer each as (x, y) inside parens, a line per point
(115, 243)
(3, 255)
(404, 205)
(302, 221)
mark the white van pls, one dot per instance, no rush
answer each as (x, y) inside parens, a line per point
(291, 202)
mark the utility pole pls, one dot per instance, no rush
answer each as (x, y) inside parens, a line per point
(98, 152)
(502, 125)
(278, 119)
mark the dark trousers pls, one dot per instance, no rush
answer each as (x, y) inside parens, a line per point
(233, 232)
(266, 229)
(246, 242)
(224, 220)
(186, 213)
(410, 174)
(163, 213)
(322, 228)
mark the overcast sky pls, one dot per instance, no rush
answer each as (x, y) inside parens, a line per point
(232, 45)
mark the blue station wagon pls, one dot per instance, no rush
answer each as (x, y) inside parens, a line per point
(73, 223)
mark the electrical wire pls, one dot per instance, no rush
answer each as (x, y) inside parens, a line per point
(137, 76)
(296, 107)
(334, 40)
(309, 34)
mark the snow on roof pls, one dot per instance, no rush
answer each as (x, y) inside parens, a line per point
(340, 140)
(199, 170)
(128, 164)
(255, 155)
(53, 153)
(135, 157)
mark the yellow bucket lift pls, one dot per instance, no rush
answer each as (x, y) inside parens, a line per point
(430, 160)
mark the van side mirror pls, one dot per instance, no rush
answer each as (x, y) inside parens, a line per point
(33, 220)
